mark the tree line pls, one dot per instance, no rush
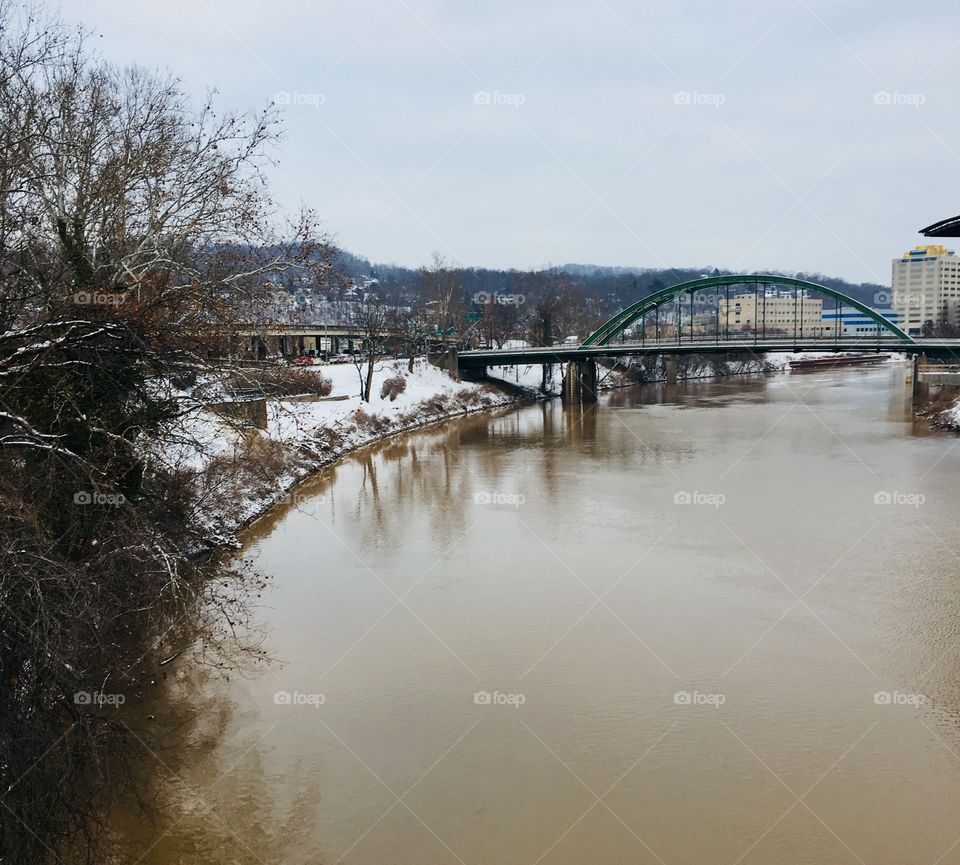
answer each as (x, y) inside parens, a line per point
(134, 229)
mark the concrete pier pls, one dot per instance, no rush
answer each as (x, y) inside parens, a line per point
(670, 365)
(580, 382)
(447, 360)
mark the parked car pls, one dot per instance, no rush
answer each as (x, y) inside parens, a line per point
(302, 360)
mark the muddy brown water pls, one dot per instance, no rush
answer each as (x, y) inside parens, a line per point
(717, 623)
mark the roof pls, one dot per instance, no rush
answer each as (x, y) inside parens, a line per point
(945, 228)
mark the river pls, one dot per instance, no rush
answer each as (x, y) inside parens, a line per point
(713, 623)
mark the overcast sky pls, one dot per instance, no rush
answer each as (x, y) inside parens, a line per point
(782, 134)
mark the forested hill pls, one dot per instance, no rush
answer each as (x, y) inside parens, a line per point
(615, 286)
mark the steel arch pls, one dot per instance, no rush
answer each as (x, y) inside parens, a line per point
(627, 316)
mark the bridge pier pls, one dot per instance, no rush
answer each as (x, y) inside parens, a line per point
(670, 366)
(919, 390)
(447, 360)
(580, 382)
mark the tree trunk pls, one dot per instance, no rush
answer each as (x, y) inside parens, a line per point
(369, 385)
(359, 368)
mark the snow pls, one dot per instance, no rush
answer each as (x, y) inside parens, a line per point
(951, 417)
(782, 358)
(310, 432)
(527, 376)
(194, 440)
(290, 420)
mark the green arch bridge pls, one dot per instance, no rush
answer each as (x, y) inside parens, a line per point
(702, 316)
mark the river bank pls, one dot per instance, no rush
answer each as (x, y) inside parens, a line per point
(242, 473)
(942, 418)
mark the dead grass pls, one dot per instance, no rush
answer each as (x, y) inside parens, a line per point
(393, 387)
(281, 381)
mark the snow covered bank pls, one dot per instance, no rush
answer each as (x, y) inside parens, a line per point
(528, 376)
(939, 417)
(241, 471)
(781, 359)
(949, 419)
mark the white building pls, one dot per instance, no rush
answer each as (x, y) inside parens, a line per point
(856, 324)
(780, 312)
(926, 287)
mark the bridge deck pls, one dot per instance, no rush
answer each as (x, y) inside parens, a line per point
(941, 349)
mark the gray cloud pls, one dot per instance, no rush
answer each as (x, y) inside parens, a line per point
(795, 135)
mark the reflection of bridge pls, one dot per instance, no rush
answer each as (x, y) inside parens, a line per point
(734, 314)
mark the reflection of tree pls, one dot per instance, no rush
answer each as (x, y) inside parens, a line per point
(395, 497)
(210, 795)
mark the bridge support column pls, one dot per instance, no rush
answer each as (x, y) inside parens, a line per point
(446, 360)
(670, 365)
(580, 382)
(919, 390)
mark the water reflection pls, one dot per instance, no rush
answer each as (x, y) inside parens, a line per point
(576, 558)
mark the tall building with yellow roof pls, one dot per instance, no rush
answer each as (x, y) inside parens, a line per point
(926, 287)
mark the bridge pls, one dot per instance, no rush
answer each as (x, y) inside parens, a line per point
(732, 314)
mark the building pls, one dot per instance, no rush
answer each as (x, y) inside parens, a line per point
(855, 323)
(926, 288)
(782, 313)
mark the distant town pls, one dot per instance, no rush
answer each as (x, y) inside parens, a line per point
(306, 319)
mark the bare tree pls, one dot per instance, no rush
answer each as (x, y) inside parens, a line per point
(549, 291)
(133, 230)
(500, 319)
(443, 290)
(369, 321)
(408, 328)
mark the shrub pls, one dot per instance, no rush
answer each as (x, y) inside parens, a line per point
(393, 387)
(370, 422)
(281, 381)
